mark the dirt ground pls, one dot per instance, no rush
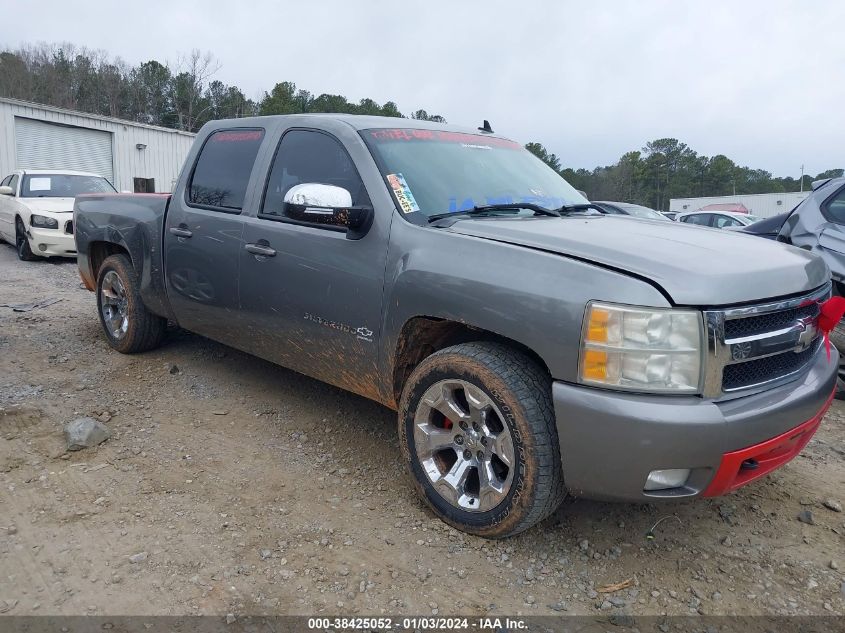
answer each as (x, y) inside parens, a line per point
(231, 485)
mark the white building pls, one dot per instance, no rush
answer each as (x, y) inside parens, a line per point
(764, 205)
(132, 156)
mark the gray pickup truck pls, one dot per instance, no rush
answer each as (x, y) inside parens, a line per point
(531, 347)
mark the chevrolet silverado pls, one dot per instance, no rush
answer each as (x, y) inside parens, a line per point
(531, 346)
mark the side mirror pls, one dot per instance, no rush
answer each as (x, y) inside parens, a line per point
(315, 203)
(5, 190)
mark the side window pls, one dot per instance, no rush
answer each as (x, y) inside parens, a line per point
(6, 181)
(222, 171)
(834, 209)
(700, 219)
(13, 183)
(307, 156)
(723, 220)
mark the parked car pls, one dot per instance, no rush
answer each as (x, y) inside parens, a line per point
(530, 349)
(669, 215)
(717, 219)
(36, 207)
(626, 208)
(817, 224)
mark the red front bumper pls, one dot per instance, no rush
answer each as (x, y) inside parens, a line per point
(768, 456)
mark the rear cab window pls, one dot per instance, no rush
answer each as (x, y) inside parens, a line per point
(223, 168)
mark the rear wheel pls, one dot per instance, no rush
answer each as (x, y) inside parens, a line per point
(477, 430)
(22, 243)
(128, 325)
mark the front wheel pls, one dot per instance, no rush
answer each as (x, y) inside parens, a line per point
(22, 246)
(477, 429)
(128, 325)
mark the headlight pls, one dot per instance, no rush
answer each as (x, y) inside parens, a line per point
(641, 349)
(43, 222)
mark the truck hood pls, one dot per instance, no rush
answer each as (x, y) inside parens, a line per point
(54, 205)
(695, 266)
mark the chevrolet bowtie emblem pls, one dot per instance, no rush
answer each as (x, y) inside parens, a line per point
(808, 331)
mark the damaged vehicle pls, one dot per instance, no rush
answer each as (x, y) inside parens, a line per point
(531, 347)
(36, 207)
(817, 224)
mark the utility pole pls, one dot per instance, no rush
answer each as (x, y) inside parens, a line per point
(659, 198)
(802, 178)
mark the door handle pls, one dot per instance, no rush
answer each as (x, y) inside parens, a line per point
(180, 232)
(260, 249)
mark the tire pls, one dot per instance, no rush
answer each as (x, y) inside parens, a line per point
(129, 327)
(509, 396)
(22, 246)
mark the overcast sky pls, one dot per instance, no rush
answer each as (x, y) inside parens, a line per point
(760, 81)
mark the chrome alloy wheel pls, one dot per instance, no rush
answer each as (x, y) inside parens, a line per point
(114, 305)
(464, 445)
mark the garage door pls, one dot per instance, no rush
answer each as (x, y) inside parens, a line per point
(43, 145)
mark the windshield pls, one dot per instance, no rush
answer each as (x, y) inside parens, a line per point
(62, 185)
(437, 171)
(751, 219)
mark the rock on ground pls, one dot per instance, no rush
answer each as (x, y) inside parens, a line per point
(85, 433)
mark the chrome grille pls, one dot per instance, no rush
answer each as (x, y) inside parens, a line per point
(762, 370)
(763, 323)
(756, 346)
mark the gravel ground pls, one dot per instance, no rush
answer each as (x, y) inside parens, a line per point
(230, 485)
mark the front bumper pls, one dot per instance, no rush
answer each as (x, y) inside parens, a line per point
(55, 242)
(611, 441)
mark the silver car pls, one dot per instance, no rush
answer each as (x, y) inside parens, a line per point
(718, 219)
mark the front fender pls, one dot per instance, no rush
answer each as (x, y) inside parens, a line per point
(532, 297)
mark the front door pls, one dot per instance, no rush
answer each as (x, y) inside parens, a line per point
(202, 239)
(313, 303)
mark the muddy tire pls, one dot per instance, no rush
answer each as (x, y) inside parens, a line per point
(128, 325)
(477, 430)
(22, 246)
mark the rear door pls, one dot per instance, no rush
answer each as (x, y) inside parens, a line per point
(203, 231)
(314, 304)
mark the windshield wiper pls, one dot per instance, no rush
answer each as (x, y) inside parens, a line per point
(577, 208)
(479, 210)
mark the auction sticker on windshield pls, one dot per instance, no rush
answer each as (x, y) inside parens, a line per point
(39, 184)
(403, 193)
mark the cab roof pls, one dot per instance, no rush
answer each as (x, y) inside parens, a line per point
(361, 122)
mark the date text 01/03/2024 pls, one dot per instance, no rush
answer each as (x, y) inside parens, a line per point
(418, 623)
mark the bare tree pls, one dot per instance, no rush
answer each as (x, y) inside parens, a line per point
(192, 73)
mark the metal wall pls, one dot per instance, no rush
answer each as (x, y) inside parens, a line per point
(764, 205)
(161, 159)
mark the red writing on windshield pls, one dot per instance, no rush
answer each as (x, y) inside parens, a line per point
(229, 137)
(400, 134)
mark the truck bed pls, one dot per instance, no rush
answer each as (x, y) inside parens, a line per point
(107, 223)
